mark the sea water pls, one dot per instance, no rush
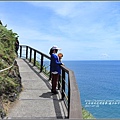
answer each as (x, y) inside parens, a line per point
(98, 83)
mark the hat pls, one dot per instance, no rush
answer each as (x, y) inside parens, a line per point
(55, 47)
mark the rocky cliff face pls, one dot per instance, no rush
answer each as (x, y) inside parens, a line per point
(10, 80)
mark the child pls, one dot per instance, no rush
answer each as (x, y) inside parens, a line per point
(60, 55)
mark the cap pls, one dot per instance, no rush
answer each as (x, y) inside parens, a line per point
(55, 47)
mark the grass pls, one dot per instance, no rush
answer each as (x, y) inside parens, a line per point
(8, 81)
(44, 68)
(86, 114)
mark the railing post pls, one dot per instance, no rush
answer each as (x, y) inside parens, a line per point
(30, 54)
(63, 84)
(20, 51)
(26, 52)
(41, 63)
(34, 57)
(68, 96)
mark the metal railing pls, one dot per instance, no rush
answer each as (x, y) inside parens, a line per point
(67, 82)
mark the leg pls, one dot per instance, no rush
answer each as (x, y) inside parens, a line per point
(54, 82)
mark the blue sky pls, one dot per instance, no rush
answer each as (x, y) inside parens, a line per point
(84, 30)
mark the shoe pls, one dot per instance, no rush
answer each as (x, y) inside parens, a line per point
(51, 90)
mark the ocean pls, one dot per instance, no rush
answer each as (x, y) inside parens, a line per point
(98, 83)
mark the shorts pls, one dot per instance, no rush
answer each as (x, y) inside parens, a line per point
(55, 72)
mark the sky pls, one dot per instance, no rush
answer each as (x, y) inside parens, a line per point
(84, 30)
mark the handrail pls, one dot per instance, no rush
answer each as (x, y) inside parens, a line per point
(74, 103)
(75, 108)
(7, 68)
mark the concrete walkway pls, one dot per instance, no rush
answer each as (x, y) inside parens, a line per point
(36, 99)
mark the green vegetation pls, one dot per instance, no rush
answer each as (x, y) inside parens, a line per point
(86, 114)
(44, 68)
(7, 40)
(10, 81)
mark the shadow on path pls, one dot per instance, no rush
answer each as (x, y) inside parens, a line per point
(48, 94)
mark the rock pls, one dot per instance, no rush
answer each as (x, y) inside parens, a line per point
(3, 114)
(12, 97)
(0, 93)
(18, 89)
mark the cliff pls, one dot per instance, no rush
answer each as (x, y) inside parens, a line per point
(10, 80)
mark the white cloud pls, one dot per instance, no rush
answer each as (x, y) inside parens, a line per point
(104, 56)
(65, 8)
(29, 34)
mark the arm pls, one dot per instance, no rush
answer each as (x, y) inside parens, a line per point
(59, 63)
(56, 59)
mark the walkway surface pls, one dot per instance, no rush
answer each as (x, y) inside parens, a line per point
(36, 99)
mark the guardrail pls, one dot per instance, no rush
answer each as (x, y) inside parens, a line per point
(67, 82)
